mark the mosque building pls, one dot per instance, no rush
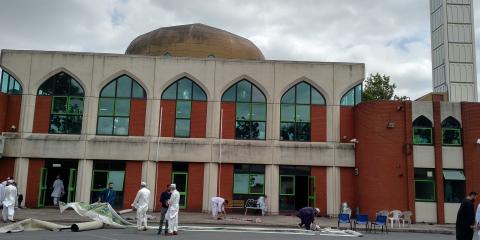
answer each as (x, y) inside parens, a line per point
(203, 108)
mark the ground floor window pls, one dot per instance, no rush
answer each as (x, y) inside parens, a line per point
(105, 172)
(454, 185)
(180, 178)
(297, 188)
(66, 170)
(424, 185)
(249, 179)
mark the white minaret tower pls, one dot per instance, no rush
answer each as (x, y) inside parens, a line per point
(453, 49)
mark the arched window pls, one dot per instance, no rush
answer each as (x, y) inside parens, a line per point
(353, 96)
(9, 85)
(250, 110)
(67, 103)
(451, 132)
(184, 91)
(422, 131)
(114, 105)
(295, 109)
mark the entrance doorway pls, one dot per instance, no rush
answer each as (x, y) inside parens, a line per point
(297, 188)
(67, 170)
(180, 178)
(105, 172)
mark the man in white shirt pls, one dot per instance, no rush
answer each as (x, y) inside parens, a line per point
(58, 190)
(173, 210)
(2, 190)
(262, 203)
(141, 204)
(9, 202)
(218, 206)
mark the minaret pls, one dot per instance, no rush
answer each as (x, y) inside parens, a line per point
(453, 49)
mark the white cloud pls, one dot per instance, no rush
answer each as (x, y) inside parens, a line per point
(389, 36)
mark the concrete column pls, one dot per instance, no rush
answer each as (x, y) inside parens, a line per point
(91, 115)
(20, 175)
(153, 106)
(272, 186)
(149, 172)
(27, 113)
(84, 180)
(210, 182)
(333, 123)
(333, 190)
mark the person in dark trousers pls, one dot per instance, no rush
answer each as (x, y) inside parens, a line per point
(164, 200)
(307, 216)
(108, 195)
(466, 218)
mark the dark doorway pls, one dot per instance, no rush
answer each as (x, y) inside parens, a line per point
(66, 169)
(301, 194)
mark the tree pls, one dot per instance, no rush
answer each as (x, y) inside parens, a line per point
(378, 87)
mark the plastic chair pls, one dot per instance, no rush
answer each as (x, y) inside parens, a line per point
(362, 219)
(344, 218)
(394, 217)
(382, 213)
(381, 220)
(406, 217)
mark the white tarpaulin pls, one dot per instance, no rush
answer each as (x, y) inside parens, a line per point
(101, 212)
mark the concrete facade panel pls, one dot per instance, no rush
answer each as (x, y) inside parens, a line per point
(423, 156)
(426, 212)
(452, 157)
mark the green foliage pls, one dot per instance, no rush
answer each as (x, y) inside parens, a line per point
(378, 87)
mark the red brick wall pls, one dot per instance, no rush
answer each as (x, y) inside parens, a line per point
(226, 181)
(168, 117)
(471, 150)
(195, 187)
(321, 181)
(347, 187)
(409, 158)
(347, 126)
(380, 157)
(437, 136)
(3, 111)
(41, 120)
(198, 125)
(13, 115)
(228, 131)
(7, 168)
(164, 177)
(33, 181)
(138, 110)
(319, 123)
(133, 177)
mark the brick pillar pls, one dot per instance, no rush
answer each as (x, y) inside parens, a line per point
(225, 173)
(138, 110)
(41, 120)
(409, 158)
(318, 130)
(168, 117)
(347, 187)
(320, 174)
(471, 150)
(33, 182)
(437, 134)
(133, 176)
(228, 131)
(164, 177)
(195, 187)
(198, 125)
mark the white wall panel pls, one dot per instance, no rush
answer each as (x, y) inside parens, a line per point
(435, 4)
(438, 56)
(459, 33)
(461, 72)
(458, 52)
(458, 1)
(437, 19)
(439, 76)
(458, 14)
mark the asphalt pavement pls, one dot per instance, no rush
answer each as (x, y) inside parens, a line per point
(208, 233)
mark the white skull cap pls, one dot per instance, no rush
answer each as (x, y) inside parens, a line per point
(317, 210)
(173, 185)
(143, 184)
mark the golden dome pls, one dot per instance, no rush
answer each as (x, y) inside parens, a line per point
(194, 40)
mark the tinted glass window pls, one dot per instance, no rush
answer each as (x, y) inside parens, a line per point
(303, 93)
(124, 87)
(230, 94)
(198, 93)
(171, 92)
(185, 89)
(244, 91)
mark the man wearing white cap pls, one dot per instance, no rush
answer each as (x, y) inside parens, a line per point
(9, 201)
(173, 209)
(141, 204)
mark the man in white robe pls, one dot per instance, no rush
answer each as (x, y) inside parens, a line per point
(218, 206)
(173, 210)
(262, 204)
(2, 191)
(141, 204)
(9, 202)
(58, 190)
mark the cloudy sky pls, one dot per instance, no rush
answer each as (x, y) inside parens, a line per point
(389, 36)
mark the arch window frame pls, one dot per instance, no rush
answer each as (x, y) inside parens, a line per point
(10, 85)
(248, 108)
(62, 113)
(422, 134)
(287, 122)
(353, 94)
(450, 134)
(116, 106)
(183, 104)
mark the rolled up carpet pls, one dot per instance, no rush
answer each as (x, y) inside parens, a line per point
(86, 226)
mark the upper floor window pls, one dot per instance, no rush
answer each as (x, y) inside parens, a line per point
(9, 85)
(422, 131)
(251, 110)
(184, 91)
(67, 103)
(353, 96)
(114, 105)
(295, 108)
(451, 132)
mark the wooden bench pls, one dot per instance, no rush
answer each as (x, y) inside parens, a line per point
(236, 204)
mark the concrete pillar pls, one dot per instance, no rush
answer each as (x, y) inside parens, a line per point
(84, 180)
(333, 123)
(272, 186)
(333, 190)
(210, 182)
(149, 172)
(21, 176)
